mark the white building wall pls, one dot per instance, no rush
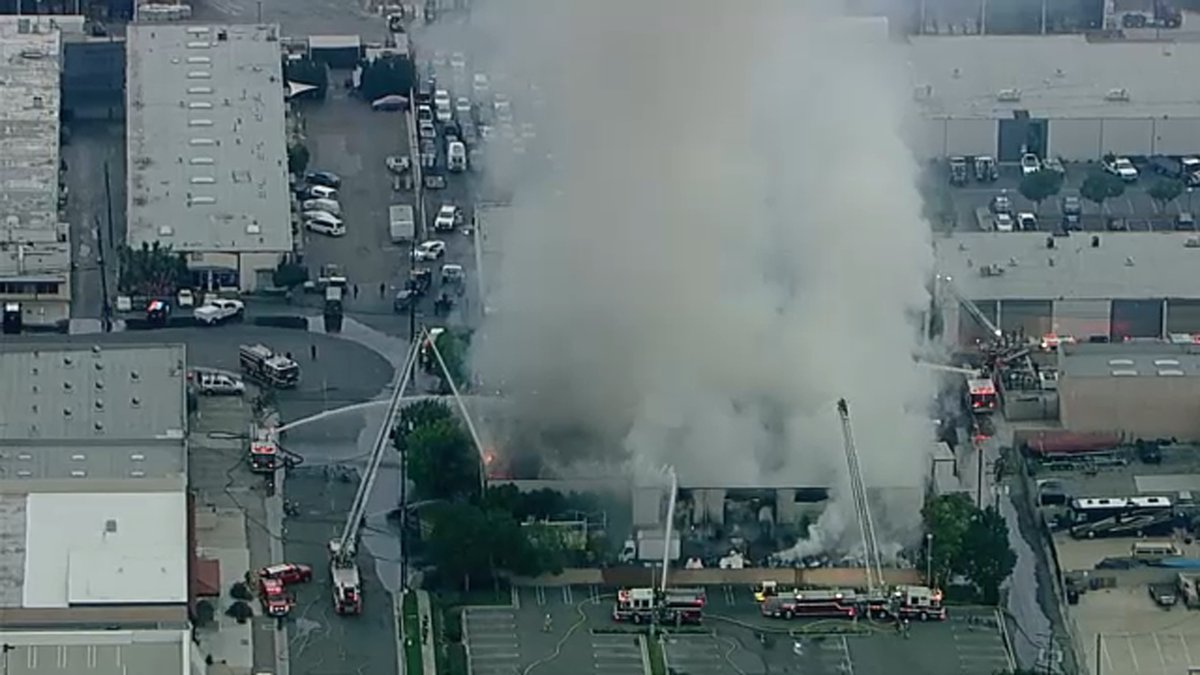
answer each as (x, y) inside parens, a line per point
(1082, 318)
(251, 266)
(1178, 136)
(969, 137)
(1075, 140)
(1128, 137)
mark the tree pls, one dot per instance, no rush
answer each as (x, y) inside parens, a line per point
(241, 591)
(442, 462)
(946, 518)
(453, 348)
(289, 275)
(987, 557)
(1039, 186)
(1165, 190)
(387, 75)
(421, 414)
(152, 270)
(308, 71)
(204, 613)
(1099, 187)
(467, 542)
(240, 611)
(297, 155)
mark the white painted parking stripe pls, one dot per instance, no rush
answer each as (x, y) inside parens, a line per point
(568, 596)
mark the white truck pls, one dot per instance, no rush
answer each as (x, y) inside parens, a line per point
(402, 225)
(219, 310)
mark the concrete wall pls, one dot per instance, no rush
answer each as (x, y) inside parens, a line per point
(1075, 139)
(1139, 407)
(1183, 316)
(257, 269)
(948, 137)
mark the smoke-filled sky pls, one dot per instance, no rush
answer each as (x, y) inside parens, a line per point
(727, 241)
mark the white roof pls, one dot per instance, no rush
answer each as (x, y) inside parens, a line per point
(105, 548)
(1062, 76)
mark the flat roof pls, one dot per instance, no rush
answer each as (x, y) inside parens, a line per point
(1157, 359)
(1060, 76)
(206, 149)
(31, 54)
(1018, 266)
(109, 652)
(103, 549)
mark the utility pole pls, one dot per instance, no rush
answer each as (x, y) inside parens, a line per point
(979, 475)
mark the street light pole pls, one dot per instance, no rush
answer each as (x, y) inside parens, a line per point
(929, 559)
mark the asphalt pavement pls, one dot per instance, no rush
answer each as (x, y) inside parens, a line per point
(94, 145)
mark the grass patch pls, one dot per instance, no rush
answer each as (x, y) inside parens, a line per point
(412, 635)
(658, 661)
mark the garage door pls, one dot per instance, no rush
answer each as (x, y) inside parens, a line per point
(971, 330)
(1136, 319)
(1028, 317)
(1183, 316)
(970, 137)
(1082, 319)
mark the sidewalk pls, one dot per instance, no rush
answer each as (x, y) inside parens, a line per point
(428, 653)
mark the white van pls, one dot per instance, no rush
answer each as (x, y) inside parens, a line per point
(456, 156)
(325, 225)
(326, 205)
(1154, 550)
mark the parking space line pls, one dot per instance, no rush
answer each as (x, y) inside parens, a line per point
(1158, 648)
(1186, 652)
(728, 591)
(1104, 652)
(540, 592)
(594, 592)
(568, 597)
(1133, 654)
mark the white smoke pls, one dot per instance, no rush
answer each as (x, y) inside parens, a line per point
(726, 239)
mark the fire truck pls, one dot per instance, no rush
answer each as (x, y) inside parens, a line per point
(918, 602)
(644, 605)
(981, 395)
(264, 453)
(275, 600)
(347, 586)
(267, 368)
(823, 604)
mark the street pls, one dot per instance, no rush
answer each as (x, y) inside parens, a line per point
(94, 145)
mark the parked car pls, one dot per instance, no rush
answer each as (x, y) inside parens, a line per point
(424, 114)
(326, 205)
(1053, 164)
(1027, 222)
(325, 178)
(219, 310)
(448, 217)
(1072, 210)
(1003, 222)
(321, 192)
(185, 298)
(389, 103)
(429, 250)
(1001, 204)
(1121, 167)
(1030, 164)
(426, 130)
(398, 164)
(1185, 221)
(480, 86)
(219, 384)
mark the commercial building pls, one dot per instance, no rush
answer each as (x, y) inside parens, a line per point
(207, 156)
(93, 509)
(1131, 285)
(35, 255)
(1141, 390)
(1067, 96)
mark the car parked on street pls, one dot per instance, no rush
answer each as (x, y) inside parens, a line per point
(1003, 222)
(429, 250)
(325, 178)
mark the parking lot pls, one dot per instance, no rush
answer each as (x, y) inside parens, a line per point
(504, 640)
(1135, 636)
(1132, 211)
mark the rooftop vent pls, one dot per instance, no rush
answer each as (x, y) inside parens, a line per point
(1129, 261)
(1117, 94)
(98, 426)
(66, 412)
(1166, 362)
(68, 361)
(99, 365)
(1095, 241)
(253, 228)
(99, 384)
(110, 525)
(1011, 95)
(992, 270)
(164, 231)
(96, 349)
(137, 474)
(133, 375)
(78, 457)
(78, 474)
(99, 404)
(1124, 373)
(135, 401)
(67, 386)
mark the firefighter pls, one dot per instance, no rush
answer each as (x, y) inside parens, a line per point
(548, 623)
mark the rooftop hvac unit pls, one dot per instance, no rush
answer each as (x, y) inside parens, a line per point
(1192, 242)
(923, 93)
(1118, 94)
(1008, 95)
(992, 270)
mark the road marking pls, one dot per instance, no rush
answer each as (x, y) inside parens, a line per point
(1133, 655)
(540, 591)
(1105, 654)
(594, 591)
(1158, 647)
(568, 596)
(1186, 651)
(728, 591)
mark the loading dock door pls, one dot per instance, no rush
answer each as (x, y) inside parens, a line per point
(1021, 134)
(1136, 319)
(1032, 318)
(1183, 316)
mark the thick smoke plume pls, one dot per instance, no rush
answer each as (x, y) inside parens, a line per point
(725, 238)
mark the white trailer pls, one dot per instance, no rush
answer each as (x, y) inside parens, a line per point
(401, 223)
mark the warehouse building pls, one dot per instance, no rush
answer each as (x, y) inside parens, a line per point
(1087, 286)
(206, 150)
(94, 557)
(1065, 96)
(1141, 390)
(35, 255)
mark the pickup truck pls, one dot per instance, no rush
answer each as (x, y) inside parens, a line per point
(1164, 594)
(219, 310)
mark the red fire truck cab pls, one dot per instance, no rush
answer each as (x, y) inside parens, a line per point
(275, 600)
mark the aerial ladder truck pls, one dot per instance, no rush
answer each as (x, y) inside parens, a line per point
(343, 551)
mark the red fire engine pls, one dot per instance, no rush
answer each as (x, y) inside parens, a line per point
(919, 602)
(275, 600)
(829, 604)
(643, 605)
(264, 455)
(981, 395)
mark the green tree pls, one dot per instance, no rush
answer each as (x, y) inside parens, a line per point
(240, 610)
(204, 613)
(421, 414)
(289, 275)
(468, 543)
(308, 71)
(441, 461)
(152, 270)
(947, 518)
(453, 348)
(1099, 187)
(386, 76)
(297, 156)
(1165, 190)
(1039, 186)
(987, 557)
